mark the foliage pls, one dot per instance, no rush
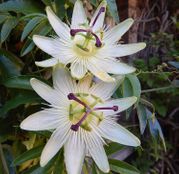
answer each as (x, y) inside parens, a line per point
(154, 80)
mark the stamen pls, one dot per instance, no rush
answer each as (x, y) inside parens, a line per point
(114, 108)
(76, 126)
(98, 42)
(102, 9)
(73, 32)
(72, 96)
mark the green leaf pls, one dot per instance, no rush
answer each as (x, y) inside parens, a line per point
(7, 27)
(155, 128)
(174, 63)
(127, 91)
(122, 167)
(7, 68)
(59, 164)
(113, 10)
(19, 99)
(42, 28)
(21, 6)
(47, 2)
(12, 57)
(142, 116)
(60, 8)
(113, 148)
(19, 82)
(42, 170)
(28, 46)
(3, 18)
(30, 26)
(28, 155)
(135, 83)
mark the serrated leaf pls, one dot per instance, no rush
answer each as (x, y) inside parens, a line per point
(122, 167)
(28, 155)
(113, 9)
(21, 6)
(142, 116)
(7, 27)
(19, 99)
(30, 26)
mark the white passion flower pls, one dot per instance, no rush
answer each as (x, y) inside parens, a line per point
(81, 114)
(87, 46)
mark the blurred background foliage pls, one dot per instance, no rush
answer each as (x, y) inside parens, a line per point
(155, 83)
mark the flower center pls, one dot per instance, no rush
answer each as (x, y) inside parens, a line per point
(83, 113)
(88, 42)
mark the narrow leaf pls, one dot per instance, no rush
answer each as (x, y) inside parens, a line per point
(122, 167)
(28, 155)
(142, 116)
(19, 99)
(30, 26)
(7, 27)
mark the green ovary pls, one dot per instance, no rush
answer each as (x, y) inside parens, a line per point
(77, 111)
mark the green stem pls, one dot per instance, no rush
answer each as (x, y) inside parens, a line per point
(158, 89)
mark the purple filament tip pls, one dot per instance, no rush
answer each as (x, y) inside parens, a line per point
(74, 127)
(73, 32)
(114, 108)
(71, 96)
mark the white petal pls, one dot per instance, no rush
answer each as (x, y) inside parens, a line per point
(74, 153)
(100, 20)
(99, 73)
(56, 141)
(105, 90)
(79, 15)
(63, 81)
(125, 49)
(43, 120)
(122, 104)
(113, 66)
(114, 34)
(114, 132)
(44, 43)
(78, 70)
(96, 150)
(45, 91)
(85, 83)
(47, 63)
(62, 30)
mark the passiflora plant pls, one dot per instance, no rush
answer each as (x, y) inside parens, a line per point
(90, 88)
